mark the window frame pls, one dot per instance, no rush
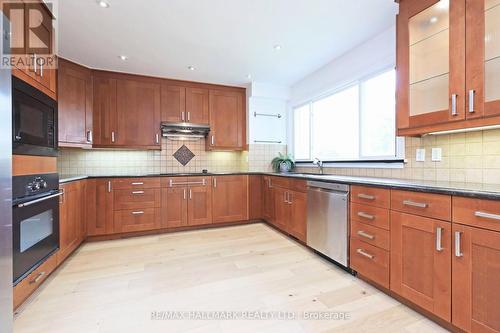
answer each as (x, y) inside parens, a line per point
(365, 161)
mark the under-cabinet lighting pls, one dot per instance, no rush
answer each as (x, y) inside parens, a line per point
(463, 130)
(103, 4)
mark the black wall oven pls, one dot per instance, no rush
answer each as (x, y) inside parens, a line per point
(34, 121)
(35, 221)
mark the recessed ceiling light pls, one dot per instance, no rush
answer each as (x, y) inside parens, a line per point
(249, 76)
(434, 19)
(123, 57)
(277, 47)
(191, 68)
(103, 4)
(443, 4)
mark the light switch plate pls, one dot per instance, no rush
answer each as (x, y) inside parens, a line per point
(420, 156)
(437, 154)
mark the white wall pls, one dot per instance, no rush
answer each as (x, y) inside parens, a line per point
(374, 55)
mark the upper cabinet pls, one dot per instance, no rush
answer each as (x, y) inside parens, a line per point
(446, 53)
(227, 120)
(75, 105)
(184, 104)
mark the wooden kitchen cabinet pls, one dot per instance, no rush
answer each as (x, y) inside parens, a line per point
(74, 105)
(197, 105)
(173, 103)
(281, 208)
(199, 202)
(420, 268)
(227, 120)
(99, 207)
(174, 207)
(267, 199)
(475, 279)
(255, 197)
(104, 111)
(230, 198)
(132, 220)
(72, 215)
(298, 215)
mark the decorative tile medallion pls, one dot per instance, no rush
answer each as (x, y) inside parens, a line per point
(183, 155)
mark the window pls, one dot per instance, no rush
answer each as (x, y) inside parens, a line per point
(355, 123)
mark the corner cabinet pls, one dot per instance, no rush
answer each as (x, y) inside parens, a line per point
(229, 198)
(447, 65)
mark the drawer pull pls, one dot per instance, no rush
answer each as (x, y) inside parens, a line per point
(138, 213)
(415, 204)
(38, 277)
(137, 192)
(458, 241)
(366, 196)
(138, 183)
(439, 237)
(487, 215)
(366, 216)
(364, 254)
(365, 235)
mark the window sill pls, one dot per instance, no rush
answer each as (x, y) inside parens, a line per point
(366, 164)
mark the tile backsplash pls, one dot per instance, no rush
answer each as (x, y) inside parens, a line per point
(472, 157)
(124, 162)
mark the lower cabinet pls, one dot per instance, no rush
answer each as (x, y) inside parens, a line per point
(267, 200)
(476, 279)
(421, 262)
(131, 220)
(72, 226)
(186, 201)
(99, 207)
(230, 198)
(290, 211)
(281, 208)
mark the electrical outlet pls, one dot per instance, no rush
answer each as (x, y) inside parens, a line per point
(437, 154)
(420, 156)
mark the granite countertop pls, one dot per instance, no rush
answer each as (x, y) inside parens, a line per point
(484, 191)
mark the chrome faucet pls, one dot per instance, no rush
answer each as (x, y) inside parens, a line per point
(319, 163)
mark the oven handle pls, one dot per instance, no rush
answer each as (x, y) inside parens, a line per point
(29, 203)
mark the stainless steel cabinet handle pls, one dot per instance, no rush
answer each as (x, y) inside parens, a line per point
(364, 254)
(157, 138)
(137, 183)
(458, 241)
(138, 213)
(213, 140)
(290, 198)
(183, 118)
(366, 216)
(184, 191)
(38, 277)
(41, 69)
(215, 182)
(190, 194)
(487, 215)
(454, 104)
(61, 201)
(366, 196)
(365, 235)
(137, 192)
(189, 116)
(415, 204)
(113, 136)
(439, 238)
(89, 136)
(472, 95)
(109, 186)
(34, 63)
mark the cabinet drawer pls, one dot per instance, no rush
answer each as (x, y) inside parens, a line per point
(424, 204)
(30, 283)
(374, 196)
(477, 212)
(136, 220)
(280, 182)
(298, 185)
(370, 261)
(370, 234)
(377, 217)
(132, 183)
(136, 198)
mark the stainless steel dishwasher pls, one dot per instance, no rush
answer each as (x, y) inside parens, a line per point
(327, 220)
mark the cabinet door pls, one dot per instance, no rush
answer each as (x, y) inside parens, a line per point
(267, 200)
(104, 107)
(430, 62)
(138, 106)
(200, 204)
(476, 277)
(71, 218)
(99, 207)
(74, 104)
(421, 262)
(483, 58)
(174, 207)
(298, 215)
(230, 198)
(197, 105)
(281, 208)
(173, 103)
(226, 120)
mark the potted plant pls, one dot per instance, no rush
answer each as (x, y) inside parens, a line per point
(283, 163)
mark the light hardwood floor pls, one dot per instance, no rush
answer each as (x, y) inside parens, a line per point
(114, 286)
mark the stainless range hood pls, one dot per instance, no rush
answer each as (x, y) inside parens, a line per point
(184, 131)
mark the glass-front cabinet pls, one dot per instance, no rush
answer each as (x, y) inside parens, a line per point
(483, 58)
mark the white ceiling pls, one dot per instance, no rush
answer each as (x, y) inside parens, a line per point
(224, 39)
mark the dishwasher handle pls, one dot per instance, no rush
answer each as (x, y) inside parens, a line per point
(328, 191)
